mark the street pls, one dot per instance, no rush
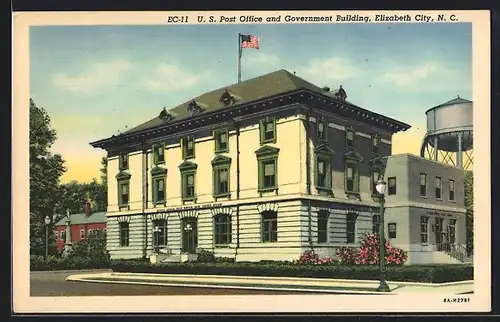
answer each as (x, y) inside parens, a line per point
(55, 284)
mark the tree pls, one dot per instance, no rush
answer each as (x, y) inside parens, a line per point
(45, 170)
(469, 205)
(104, 171)
(93, 247)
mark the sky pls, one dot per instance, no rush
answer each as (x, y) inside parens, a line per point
(97, 80)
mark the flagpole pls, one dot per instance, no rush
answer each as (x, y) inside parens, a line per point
(239, 58)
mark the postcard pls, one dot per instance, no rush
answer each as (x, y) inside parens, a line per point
(270, 161)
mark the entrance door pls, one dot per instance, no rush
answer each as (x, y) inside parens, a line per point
(189, 235)
(438, 231)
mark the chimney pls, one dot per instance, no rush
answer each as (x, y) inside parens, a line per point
(87, 209)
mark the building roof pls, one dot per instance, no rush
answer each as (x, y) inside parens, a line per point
(256, 89)
(455, 101)
(82, 219)
(267, 85)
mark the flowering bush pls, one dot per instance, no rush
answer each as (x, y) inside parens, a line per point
(368, 253)
(309, 257)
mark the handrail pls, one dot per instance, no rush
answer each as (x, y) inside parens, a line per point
(458, 252)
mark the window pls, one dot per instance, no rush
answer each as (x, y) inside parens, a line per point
(391, 230)
(158, 154)
(221, 140)
(376, 224)
(374, 180)
(187, 147)
(221, 177)
(424, 230)
(123, 161)
(323, 216)
(222, 229)
(451, 193)
(63, 235)
(323, 173)
(160, 232)
(267, 131)
(375, 143)
(89, 231)
(423, 185)
(350, 139)
(351, 178)
(124, 234)
(267, 158)
(351, 227)
(322, 130)
(188, 180)
(391, 186)
(158, 190)
(452, 230)
(438, 188)
(269, 227)
(124, 193)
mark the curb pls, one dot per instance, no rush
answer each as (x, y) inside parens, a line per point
(71, 271)
(347, 281)
(289, 289)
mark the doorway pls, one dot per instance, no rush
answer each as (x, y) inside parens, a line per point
(189, 235)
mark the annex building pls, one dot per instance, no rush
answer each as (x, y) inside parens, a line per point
(264, 170)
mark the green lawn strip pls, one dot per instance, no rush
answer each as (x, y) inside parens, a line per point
(262, 285)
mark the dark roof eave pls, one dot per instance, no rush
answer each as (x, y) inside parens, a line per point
(394, 124)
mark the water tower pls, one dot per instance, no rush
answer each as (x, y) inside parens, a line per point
(449, 134)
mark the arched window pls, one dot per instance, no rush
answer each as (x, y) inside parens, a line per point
(351, 227)
(323, 216)
(222, 229)
(269, 226)
(160, 232)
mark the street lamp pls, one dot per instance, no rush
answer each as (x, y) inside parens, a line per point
(47, 223)
(381, 185)
(157, 235)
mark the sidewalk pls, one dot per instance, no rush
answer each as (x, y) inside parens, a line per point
(316, 285)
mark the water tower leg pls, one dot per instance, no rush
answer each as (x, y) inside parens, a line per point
(459, 151)
(435, 149)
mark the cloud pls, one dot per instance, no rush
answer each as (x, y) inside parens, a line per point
(332, 69)
(429, 76)
(95, 77)
(261, 58)
(170, 77)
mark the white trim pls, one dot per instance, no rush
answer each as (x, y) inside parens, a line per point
(312, 119)
(267, 207)
(425, 206)
(188, 214)
(336, 126)
(368, 136)
(222, 210)
(385, 141)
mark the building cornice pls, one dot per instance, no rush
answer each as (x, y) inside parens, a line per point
(427, 206)
(267, 105)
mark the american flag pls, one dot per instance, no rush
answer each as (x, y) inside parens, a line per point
(249, 41)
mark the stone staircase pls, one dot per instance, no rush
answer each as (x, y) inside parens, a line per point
(457, 252)
(169, 255)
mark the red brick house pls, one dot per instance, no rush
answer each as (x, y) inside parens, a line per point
(81, 225)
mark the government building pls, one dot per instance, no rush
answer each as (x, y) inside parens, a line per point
(266, 169)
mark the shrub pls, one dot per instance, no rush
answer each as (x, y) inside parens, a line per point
(92, 248)
(309, 257)
(205, 256)
(368, 253)
(426, 274)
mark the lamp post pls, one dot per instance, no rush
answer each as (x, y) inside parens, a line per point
(381, 185)
(47, 223)
(157, 239)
